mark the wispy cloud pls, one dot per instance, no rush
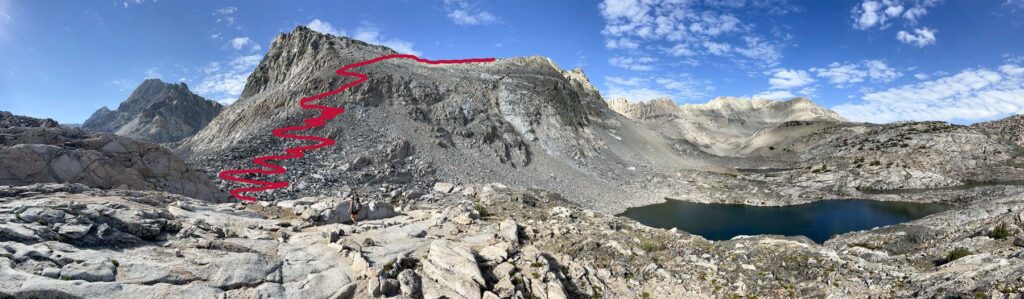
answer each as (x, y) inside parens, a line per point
(787, 79)
(844, 74)
(775, 95)
(881, 14)
(691, 29)
(678, 88)
(920, 38)
(463, 13)
(244, 42)
(971, 95)
(226, 15)
(227, 84)
(324, 27)
(632, 63)
(367, 32)
(152, 73)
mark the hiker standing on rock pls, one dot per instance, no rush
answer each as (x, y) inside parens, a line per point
(353, 208)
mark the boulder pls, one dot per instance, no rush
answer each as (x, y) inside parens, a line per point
(93, 270)
(508, 230)
(444, 187)
(451, 270)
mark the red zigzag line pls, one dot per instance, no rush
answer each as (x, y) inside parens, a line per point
(326, 114)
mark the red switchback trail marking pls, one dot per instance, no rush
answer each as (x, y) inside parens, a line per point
(326, 114)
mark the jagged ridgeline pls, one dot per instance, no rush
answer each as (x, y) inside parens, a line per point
(156, 111)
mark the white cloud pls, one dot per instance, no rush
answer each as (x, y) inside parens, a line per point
(124, 85)
(369, 33)
(622, 43)
(324, 27)
(680, 50)
(226, 10)
(867, 15)
(226, 15)
(692, 28)
(222, 83)
(880, 13)
(774, 95)
(921, 76)
(463, 13)
(920, 38)
(1015, 5)
(131, 2)
(152, 73)
(786, 79)
(1012, 70)
(632, 63)
(678, 88)
(239, 43)
(717, 48)
(759, 49)
(844, 74)
(971, 95)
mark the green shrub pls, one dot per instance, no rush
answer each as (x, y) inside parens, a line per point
(650, 246)
(1000, 232)
(957, 253)
(480, 209)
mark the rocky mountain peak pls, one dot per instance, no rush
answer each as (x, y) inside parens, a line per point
(643, 109)
(156, 111)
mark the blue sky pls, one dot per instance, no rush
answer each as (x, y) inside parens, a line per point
(870, 60)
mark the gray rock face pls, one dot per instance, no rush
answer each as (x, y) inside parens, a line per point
(92, 271)
(452, 271)
(30, 155)
(1008, 129)
(156, 111)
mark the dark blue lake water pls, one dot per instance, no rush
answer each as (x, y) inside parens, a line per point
(818, 221)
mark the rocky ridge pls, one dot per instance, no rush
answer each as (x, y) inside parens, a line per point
(157, 112)
(725, 126)
(44, 152)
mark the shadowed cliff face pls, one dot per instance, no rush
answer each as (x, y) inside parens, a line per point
(156, 111)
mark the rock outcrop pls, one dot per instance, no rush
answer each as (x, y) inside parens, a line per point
(156, 111)
(56, 240)
(58, 154)
(1008, 129)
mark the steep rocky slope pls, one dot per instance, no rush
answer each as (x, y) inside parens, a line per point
(41, 151)
(523, 121)
(156, 111)
(1010, 129)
